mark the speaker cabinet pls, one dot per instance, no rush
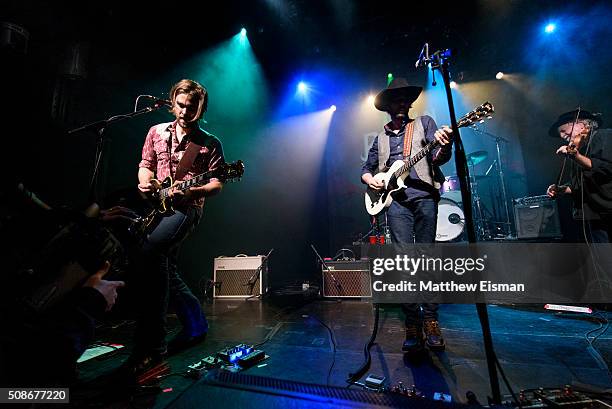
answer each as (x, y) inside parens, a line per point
(538, 219)
(235, 276)
(347, 279)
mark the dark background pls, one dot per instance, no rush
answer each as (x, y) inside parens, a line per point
(88, 61)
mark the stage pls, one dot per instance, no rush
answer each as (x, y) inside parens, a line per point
(536, 348)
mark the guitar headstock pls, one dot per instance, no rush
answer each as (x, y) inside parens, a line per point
(228, 172)
(479, 114)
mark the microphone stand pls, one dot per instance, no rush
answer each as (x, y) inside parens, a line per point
(253, 279)
(99, 127)
(336, 283)
(440, 61)
(502, 179)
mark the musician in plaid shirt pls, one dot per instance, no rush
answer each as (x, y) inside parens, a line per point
(163, 149)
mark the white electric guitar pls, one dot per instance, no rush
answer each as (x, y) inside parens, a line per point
(393, 179)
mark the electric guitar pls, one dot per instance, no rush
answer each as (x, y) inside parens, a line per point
(393, 178)
(159, 196)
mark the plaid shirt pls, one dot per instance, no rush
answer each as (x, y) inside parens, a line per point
(162, 157)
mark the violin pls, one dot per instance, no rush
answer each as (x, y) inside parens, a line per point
(575, 143)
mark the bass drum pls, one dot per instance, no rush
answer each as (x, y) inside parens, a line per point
(451, 220)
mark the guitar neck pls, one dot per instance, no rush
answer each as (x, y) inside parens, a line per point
(194, 181)
(423, 152)
(408, 164)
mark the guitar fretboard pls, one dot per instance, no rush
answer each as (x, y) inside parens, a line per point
(413, 160)
(465, 120)
(194, 181)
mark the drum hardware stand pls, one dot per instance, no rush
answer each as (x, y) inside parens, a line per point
(481, 227)
(502, 181)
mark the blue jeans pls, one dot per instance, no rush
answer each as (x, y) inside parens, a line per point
(414, 221)
(161, 283)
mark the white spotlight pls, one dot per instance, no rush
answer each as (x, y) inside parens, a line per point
(332, 108)
(453, 84)
(499, 75)
(370, 99)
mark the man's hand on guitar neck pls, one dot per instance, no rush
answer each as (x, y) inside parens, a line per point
(444, 136)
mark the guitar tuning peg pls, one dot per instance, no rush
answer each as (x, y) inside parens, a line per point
(481, 121)
(489, 117)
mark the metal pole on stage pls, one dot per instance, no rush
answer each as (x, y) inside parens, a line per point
(502, 180)
(440, 61)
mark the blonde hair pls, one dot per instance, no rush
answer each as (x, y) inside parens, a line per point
(193, 89)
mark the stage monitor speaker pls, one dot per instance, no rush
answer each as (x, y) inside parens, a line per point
(234, 276)
(352, 279)
(536, 217)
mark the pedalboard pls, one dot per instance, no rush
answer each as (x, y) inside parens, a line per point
(234, 359)
(564, 397)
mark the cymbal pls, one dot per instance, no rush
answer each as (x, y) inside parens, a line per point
(475, 158)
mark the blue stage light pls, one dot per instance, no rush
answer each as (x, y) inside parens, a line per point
(243, 32)
(302, 87)
(550, 27)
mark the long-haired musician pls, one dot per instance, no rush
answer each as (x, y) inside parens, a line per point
(589, 149)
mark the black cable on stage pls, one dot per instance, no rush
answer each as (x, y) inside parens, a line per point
(333, 339)
(603, 326)
(366, 350)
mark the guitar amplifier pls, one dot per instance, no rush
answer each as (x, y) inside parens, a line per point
(235, 276)
(536, 217)
(347, 279)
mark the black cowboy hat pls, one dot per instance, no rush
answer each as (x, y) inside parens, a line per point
(397, 88)
(569, 117)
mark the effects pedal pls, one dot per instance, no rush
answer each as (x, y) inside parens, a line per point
(251, 358)
(233, 359)
(375, 382)
(564, 397)
(232, 354)
(401, 389)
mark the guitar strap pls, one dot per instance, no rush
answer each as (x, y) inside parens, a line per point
(198, 140)
(384, 150)
(187, 160)
(408, 139)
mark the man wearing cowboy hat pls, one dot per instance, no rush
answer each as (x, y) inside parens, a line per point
(412, 216)
(590, 151)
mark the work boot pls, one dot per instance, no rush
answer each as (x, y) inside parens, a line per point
(414, 339)
(433, 336)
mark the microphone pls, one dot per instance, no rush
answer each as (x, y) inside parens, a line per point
(158, 101)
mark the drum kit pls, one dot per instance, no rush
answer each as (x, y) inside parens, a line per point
(451, 218)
